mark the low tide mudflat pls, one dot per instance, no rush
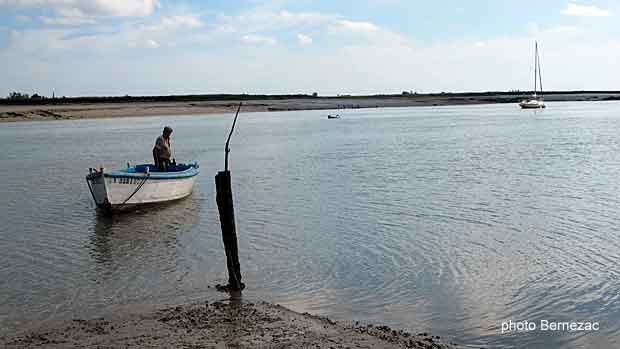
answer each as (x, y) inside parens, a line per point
(84, 110)
(220, 324)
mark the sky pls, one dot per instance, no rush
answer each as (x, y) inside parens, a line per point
(161, 47)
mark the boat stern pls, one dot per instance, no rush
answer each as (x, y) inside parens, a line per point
(97, 187)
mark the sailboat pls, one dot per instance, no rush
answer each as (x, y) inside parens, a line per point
(535, 101)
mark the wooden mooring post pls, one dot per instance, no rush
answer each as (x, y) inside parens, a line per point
(227, 221)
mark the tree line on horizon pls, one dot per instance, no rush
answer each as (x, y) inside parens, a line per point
(36, 99)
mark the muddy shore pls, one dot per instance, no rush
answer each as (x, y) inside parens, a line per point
(10, 113)
(221, 324)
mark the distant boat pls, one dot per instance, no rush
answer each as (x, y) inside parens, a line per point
(535, 101)
(337, 116)
(142, 184)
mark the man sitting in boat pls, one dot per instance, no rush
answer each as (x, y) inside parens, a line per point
(161, 151)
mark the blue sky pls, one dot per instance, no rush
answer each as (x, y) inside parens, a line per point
(144, 47)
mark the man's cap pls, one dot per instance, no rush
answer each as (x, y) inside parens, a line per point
(167, 129)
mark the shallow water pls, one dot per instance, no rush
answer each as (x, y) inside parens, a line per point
(442, 219)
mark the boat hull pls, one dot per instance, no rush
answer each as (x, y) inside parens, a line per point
(119, 191)
(532, 105)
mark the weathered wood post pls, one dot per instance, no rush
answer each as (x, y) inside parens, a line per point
(227, 221)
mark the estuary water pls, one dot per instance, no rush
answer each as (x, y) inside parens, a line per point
(443, 219)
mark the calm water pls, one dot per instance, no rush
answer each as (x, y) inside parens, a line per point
(448, 219)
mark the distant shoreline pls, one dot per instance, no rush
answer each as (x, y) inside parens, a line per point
(111, 107)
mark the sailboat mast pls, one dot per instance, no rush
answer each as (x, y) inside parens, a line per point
(535, 65)
(539, 73)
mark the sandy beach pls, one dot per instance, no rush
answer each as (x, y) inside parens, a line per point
(125, 109)
(222, 324)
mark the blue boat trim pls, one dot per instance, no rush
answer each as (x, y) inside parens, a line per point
(139, 172)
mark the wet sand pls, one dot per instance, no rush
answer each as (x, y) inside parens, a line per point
(222, 324)
(122, 109)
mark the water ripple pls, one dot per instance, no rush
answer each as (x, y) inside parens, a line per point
(448, 219)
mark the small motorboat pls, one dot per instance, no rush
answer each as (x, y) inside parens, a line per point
(337, 116)
(141, 184)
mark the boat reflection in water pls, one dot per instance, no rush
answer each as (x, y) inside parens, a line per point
(136, 254)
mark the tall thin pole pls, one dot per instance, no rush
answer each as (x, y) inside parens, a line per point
(539, 74)
(535, 65)
(227, 221)
(227, 150)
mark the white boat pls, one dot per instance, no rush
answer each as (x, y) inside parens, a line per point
(535, 101)
(140, 184)
(532, 103)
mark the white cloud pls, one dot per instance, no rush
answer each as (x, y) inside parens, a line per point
(47, 44)
(353, 31)
(129, 8)
(176, 22)
(263, 20)
(357, 27)
(304, 39)
(23, 19)
(151, 44)
(258, 39)
(87, 8)
(584, 11)
(183, 21)
(301, 18)
(148, 44)
(503, 64)
(385, 61)
(558, 33)
(67, 20)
